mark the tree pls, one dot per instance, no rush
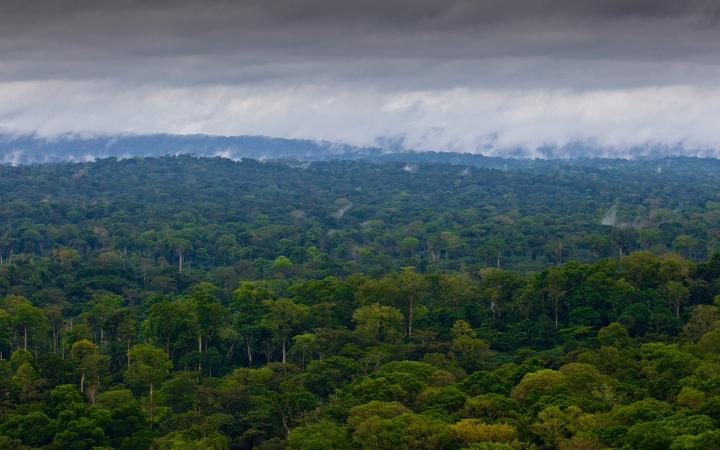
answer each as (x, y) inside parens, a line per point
(282, 317)
(470, 352)
(412, 286)
(710, 342)
(28, 320)
(701, 320)
(543, 381)
(319, 436)
(104, 310)
(470, 431)
(89, 362)
(497, 286)
(677, 295)
(148, 366)
(553, 425)
(209, 313)
(555, 288)
(378, 323)
(34, 428)
(409, 244)
(374, 410)
(614, 335)
(29, 382)
(324, 376)
(304, 343)
(403, 432)
(79, 434)
(180, 244)
(167, 321)
(248, 308)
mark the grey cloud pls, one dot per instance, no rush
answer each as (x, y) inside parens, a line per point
(75, 34)
(481, 75)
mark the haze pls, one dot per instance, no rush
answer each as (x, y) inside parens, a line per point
(489, 77)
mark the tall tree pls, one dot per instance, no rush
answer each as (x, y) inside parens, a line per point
(89, 362)
(283, 317)
(148, 366)
(28, 320)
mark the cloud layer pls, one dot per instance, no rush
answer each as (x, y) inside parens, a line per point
(485, 76)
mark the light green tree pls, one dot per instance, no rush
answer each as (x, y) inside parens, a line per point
(89, 362)
(148, 366)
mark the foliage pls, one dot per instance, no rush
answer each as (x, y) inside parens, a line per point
(202, 303)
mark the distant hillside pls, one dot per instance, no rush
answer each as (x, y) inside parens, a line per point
(32, 149)
(29, 149)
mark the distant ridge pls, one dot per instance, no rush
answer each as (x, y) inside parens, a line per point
(28, 149)
(33, 149)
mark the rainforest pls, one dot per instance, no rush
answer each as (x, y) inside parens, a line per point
(402, 302)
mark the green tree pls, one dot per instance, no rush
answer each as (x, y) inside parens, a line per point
(283, 317)
(148, 366)
(555, 289)
(27, 320)
(35, 428)
(677, 294)
(319, 436)
(378, 323)
(89, 362)
(29, 382)
(412, 287)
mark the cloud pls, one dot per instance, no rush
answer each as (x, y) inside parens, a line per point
(474, 120)
(447, 75)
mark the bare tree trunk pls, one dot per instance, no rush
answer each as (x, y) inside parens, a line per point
(151, 405)
(230, 353)
(248, 346)
(268, 350)
(559, 253)
(200, 351)
(410, 315)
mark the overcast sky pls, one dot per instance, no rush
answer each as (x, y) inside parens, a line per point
(468, 75)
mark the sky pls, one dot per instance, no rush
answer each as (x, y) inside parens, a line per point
(487, 76)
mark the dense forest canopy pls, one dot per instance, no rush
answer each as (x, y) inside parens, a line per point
(201, 303)
(348, 216)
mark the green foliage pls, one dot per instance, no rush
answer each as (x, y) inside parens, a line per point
(34, 429)
(319, 436)
(183, 303)
(148, 365)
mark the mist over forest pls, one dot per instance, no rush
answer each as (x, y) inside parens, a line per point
(32, 148)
